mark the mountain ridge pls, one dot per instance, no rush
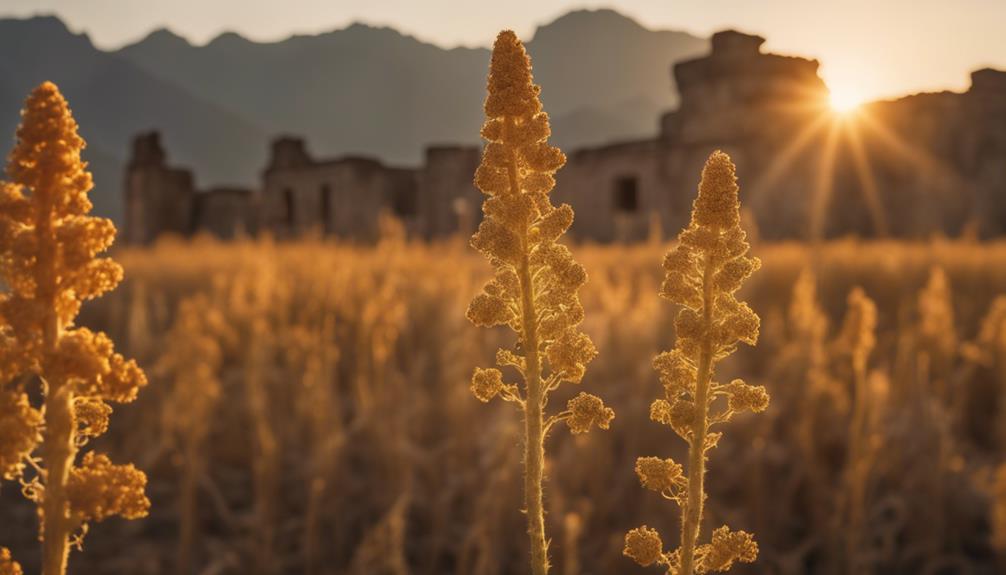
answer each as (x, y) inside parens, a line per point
(360, 89)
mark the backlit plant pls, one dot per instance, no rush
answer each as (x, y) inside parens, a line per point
(48, 248)
(703, 272)
(534, 291)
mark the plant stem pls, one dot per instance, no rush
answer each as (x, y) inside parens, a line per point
(697, 447)
(59, 445)
(534, 424)
(59, 451)
(534, 447)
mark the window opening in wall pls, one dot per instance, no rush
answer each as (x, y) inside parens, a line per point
(326, 208)
(626, 194)
(288, 207)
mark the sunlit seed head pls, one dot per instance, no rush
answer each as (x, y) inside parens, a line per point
(676, 372)
(489, 310)
(48, 150)
(644, 546)
(717, 204)
(20, 426)
(728, 547)
(99, 489)
(511, 88)
(586, 411)
(569, 355)
(660, 475)
(91, 416)
(744, 397)
(486, 383)
(858, 335)
(936, 315)
(807, 320)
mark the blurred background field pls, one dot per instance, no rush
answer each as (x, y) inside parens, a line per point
(309, 412)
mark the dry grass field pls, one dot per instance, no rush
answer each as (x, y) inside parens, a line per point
(328, 427)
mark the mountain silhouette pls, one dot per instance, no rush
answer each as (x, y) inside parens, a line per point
(361, 90)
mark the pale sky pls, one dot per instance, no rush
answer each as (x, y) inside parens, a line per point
(868, 48)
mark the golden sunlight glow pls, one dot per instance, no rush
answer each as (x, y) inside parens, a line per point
(844, 101)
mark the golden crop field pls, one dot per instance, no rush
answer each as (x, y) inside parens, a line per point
(307, 406)
(331, 428)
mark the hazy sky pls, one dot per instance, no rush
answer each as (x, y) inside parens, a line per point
(870, 48)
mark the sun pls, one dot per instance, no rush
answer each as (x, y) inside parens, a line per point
(845, 101)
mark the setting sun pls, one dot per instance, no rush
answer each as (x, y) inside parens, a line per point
(844, 101)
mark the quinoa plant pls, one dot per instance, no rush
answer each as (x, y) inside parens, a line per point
(856, 341)
(937, 331)
(193, 356)
(48, 248)
(989, 350)
(534, 291)
(703, 272)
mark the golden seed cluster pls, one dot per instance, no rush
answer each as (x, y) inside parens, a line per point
(858, 333)
(644, 546)
(587, 411)
(661, 475)
(19, 432)
(98, 489)
(49, 248)
(703, 272)
(535, 287)
(520, 230)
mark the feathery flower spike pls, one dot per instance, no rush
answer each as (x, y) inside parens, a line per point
(534, 291)
(703, 272)
(48, 257)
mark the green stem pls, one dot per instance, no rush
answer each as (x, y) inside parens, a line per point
(697, 447)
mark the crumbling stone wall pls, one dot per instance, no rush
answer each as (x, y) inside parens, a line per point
(912, 167)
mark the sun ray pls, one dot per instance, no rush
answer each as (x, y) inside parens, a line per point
(867, 180)
(824, 185)
(917, 157)
(784, 159)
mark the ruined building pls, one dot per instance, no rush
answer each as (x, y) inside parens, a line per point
(344, 196)
(163, 200)
(923, 164)
(341, 197)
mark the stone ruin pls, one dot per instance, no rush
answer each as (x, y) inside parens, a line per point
(921, 165)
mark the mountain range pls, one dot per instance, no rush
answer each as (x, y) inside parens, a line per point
(361, 89)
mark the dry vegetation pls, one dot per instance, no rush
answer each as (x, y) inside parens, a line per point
(534, 291)
(48, 249)
(367, 453)
(310, 412)
(702, 273)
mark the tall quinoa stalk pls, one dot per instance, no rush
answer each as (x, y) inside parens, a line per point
(857, 339)
(703, 271)
(193, 355)
(534, 291)
(48, 248)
